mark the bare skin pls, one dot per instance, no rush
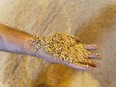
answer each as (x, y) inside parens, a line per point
(57, 48)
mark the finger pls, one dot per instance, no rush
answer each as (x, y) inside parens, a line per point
(91, 63)
(75, 64)
(80, 66)
(77, 39)
(95, 56)
(94, 64)
(91, 47)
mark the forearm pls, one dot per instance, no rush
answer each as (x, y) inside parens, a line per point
(12, 40)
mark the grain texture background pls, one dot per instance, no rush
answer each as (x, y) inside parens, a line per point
(94, 21)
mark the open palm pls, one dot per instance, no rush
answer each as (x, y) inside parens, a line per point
(65, 49)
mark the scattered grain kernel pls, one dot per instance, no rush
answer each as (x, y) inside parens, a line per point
(64, 47)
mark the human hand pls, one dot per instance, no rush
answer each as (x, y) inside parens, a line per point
(65, 49)
(58, 48)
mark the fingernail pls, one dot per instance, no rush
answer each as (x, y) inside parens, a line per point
(96, 64)
(98, 55)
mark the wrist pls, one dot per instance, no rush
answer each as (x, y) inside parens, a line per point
(32, 45)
